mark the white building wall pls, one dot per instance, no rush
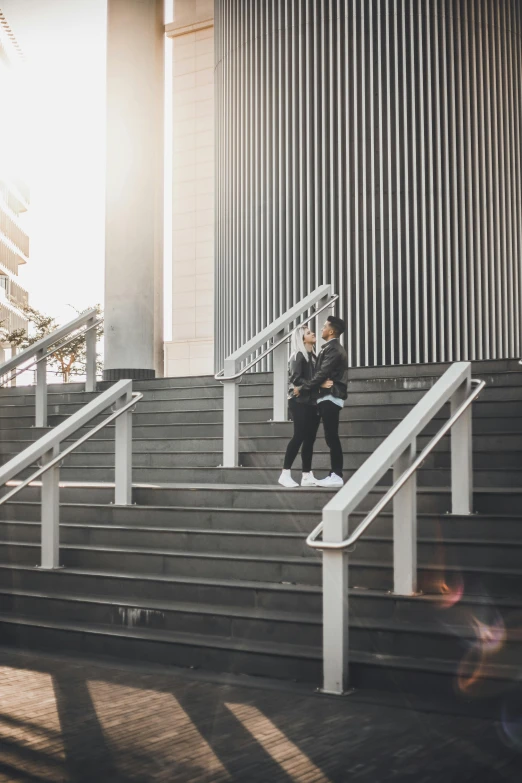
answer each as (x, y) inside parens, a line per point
(191, 351)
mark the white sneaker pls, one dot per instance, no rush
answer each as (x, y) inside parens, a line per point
(333, 480)
(286, 480)
(308, 480)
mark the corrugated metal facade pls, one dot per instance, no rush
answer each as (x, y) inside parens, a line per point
(376, 145)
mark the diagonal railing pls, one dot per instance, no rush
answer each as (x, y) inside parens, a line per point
(397, 451)
(48, 450)
(39, 352)
(237, 364)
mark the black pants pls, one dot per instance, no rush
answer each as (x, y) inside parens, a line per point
(330, 413)
(306, 422)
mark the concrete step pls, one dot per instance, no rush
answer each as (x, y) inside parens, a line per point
(487, 553)
(382, 635)
(282, 520)
(291, 662)
(489, 501)
(372, 574)
(426, 477)
(272, 460)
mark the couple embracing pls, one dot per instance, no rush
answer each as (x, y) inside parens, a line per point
(318, 389)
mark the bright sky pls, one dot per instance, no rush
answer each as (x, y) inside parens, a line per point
(64, 43)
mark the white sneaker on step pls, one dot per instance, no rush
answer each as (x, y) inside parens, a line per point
(286, 480)
(308, 480)
(333, 480)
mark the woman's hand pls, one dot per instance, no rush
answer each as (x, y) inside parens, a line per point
(327, 384)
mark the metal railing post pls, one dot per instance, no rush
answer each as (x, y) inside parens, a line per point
(405, 527)
(41, 391)
(123, 454)
(230, 424)
(335, 606)
(50, 554)
(280, 363)
(462, 454)
(90, 350)
(320, 320)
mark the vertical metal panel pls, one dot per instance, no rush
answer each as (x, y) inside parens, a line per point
(374, 144)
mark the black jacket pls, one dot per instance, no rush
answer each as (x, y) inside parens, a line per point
(302, 371)
(332, 363)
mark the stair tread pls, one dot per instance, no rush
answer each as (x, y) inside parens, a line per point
(223, 532)
(369, 623)
(440, 665)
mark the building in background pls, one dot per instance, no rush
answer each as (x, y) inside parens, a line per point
(191, 351)
(14, 196)
(371, 145)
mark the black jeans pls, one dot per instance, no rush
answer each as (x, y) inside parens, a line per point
(330, 413)
(306, 422)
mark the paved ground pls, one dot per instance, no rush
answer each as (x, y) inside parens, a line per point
(70, 720)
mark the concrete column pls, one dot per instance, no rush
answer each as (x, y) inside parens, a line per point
(134, 190)
(191, 351)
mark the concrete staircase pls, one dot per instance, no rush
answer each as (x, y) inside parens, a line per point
(210, 568)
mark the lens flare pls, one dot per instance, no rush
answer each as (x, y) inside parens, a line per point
(451, 593)
(489, 639)
(510, 724)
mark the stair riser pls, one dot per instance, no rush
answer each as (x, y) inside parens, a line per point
(260, 596)
(241, 662)
(188, 656)
(447, 526)
(190, 565)
(261, 476)
(447, 552)
(307, 573)
(116, 615)
(386, 642)
(260, 498)
(162, 540)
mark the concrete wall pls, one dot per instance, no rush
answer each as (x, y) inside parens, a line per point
(192, 346)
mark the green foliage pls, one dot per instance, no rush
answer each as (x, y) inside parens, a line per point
(70, 355)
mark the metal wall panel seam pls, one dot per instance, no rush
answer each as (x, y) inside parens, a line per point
(463, 254)
(437, 197)
(333, 191)
(498, 217)
(356, 157)
(514, 46)
(384, 325)
(422, 112)
(431, 189)
(389, 201)
(373, 210)
(506, 288)
(475, 194)
(364, 178)
(446, 211)
(348, 261)
(341, 52)
(490, 187)
(514, 303)
(483, 191)
(470, 262)
(407, 194)
(398, 195)
(301, 114)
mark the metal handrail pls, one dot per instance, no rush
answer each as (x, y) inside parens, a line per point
(136, 397)
(401, 481)
(48, 449)
(10, 375)
(219, 376)
(40, 350)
